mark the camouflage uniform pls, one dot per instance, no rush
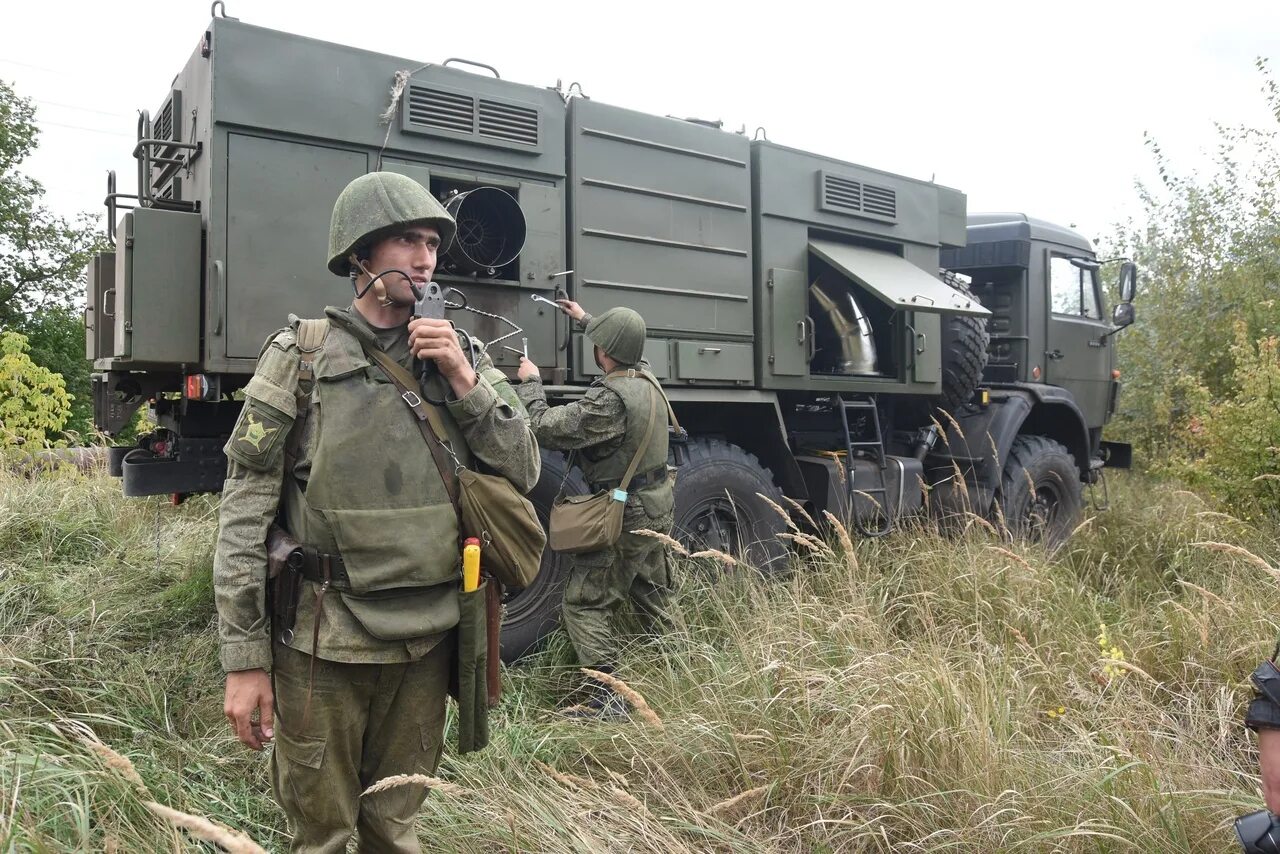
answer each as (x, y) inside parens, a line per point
(359, 482)
(604, 428)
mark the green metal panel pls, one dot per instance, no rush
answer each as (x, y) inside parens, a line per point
(952, 219)
(894, 281)
(789, 342)
(926, 350)
(660, 220)
(157, 311)
(279, 199)
(289, 84)
(100, 302)
(657, 352)
(713, 360)
(1077, 351)
(417, 171)
(844, 196)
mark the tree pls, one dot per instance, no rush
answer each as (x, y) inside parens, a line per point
(1200, 357)
(34, 404)
(42, 255)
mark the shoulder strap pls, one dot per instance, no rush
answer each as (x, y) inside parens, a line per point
(310, 335)
(426, 417)
(647, 377)
(644, 445)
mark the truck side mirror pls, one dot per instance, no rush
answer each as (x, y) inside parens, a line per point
(1128, 283)
(1122, 314)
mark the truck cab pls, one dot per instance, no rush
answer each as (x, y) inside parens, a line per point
(1049, 326)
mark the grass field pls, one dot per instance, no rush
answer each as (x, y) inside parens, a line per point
(917, 693)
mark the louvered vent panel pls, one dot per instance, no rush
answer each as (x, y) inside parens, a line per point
(162, 127)
(441, 110)
(842, 194)
(880, 201)
(508, 122)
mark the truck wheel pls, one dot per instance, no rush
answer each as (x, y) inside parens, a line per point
(534, 613)
(964, 350)
(717, 505)
(1040, 491)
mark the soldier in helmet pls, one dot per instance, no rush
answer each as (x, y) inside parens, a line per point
(604, 430)
(354, 691)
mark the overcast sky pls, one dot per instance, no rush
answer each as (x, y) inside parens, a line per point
(1024, 106)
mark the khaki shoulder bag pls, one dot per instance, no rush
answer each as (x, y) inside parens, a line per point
(488, 506)
(588, 523)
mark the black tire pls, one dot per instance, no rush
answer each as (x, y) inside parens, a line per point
(534, 613)
(717, 505)
(1040, 491)
(964, 351)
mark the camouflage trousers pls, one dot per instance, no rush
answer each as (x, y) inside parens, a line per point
(635, 570)
(366, 722)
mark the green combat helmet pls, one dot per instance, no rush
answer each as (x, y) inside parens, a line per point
(620, 333)
(373, 205)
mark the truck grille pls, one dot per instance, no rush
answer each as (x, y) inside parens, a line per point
(847, 196)
(441, 110)
(508, 122)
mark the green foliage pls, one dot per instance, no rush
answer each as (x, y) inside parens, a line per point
(34, 404)
(42, 257)
(1209, 250)
(1230, 444)
(56, 336)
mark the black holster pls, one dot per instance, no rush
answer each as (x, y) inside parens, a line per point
(285, 560)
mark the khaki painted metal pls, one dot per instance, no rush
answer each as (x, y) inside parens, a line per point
(157, 281)
(100, 299)
(713, 238)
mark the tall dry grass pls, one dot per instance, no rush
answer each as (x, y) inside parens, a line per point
(915, 693)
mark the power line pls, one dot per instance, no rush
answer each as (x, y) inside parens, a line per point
(90, 130)
(82, 109)
(36, 67)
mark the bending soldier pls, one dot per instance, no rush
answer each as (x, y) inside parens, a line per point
(604, 430)
(355, 690)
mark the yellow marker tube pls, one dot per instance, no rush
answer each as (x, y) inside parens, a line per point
(470, 564)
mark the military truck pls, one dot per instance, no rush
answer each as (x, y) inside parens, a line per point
(796, 310)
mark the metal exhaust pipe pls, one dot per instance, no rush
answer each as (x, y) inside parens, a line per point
(851, 326)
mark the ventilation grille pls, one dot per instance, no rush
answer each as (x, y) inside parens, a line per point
(880, 201)
(844, 195)
(509, 122)
(491, 122)
(433, 108)
(162, 127)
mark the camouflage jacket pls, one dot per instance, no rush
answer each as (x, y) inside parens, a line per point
(256, 476)
(596, 427)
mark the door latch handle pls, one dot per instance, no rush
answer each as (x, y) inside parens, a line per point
(1055, 354)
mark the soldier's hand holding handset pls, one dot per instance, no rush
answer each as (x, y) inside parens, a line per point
(431, 338)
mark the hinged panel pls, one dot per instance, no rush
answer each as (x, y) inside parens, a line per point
(789, 328)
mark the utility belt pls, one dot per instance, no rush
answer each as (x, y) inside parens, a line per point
(288, 562)
(475, 679)
(640, 481)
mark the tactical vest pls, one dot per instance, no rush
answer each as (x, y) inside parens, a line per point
(636, 392)
(374, 494)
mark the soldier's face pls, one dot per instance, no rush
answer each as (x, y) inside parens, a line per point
(413, 252)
